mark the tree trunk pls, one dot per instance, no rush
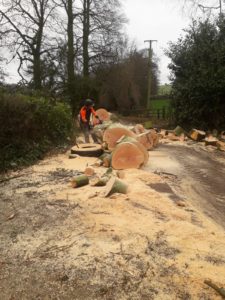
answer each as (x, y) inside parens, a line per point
(70, 50)
(37, 71)
(86, 33)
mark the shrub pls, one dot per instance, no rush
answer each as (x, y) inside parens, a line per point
(29, 127)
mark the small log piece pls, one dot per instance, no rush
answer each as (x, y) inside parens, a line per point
(220, 291)
(221, 145)
(106, 159)
(99, 181)
(179, 130)
(211, 141)
(115, 186)
(79, 181)
(89, 171)
(197, 135)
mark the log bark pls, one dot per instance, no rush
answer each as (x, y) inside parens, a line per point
(106, 159)
(100, 181)
(79, 181)
(99, 129)
(115, 186)
(179, 130)
(220, 291)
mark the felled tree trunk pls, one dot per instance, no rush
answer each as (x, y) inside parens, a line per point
(127, 155)
(146, 140)
(113, 133)
(138, 129)
(99, 129)
(138, 144)
(103, 115)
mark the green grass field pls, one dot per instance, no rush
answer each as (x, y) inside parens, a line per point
(160, 103)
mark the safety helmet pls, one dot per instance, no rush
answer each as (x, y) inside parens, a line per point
(89, 102)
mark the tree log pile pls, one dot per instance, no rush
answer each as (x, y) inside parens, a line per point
(212, 139)
(126, 147)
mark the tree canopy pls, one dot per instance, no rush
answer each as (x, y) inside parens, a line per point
(198, 74)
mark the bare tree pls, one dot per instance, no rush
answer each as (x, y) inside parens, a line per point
(207, 7)
(24, 26)
(102, 22)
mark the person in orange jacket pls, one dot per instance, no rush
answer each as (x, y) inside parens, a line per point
(86, 112)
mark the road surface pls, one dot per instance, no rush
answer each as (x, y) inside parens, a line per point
(200, 173)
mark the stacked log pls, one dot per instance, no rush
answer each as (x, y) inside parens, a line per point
(146, 140)
(103, 115)
(113, 133)
(134, 141)
(138, 129)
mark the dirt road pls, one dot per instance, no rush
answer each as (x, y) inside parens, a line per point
(200, 173)
(61, 243)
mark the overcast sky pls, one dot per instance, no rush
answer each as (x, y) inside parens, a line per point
(160, 20)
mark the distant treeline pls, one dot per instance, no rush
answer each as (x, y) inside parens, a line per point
(75, 50)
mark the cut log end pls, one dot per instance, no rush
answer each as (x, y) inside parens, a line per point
(89, 171)
(127, 156)
(113, 134)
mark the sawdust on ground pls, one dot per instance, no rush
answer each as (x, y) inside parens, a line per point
(62, 243)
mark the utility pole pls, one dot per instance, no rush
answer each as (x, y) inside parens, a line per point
(220, 1)
(149, 71)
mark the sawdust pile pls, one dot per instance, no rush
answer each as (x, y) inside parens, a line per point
(62, 243)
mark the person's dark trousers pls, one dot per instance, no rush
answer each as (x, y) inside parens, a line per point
(87, 131)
